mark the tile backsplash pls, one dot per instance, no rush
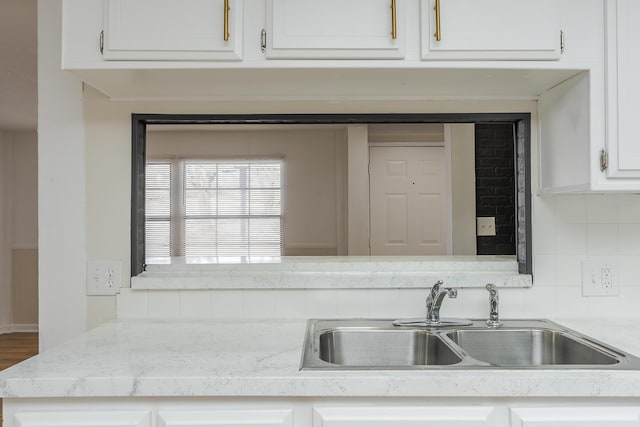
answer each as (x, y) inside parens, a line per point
(567, 230)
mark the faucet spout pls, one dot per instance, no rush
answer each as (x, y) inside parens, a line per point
(493, 321)
(434, 301)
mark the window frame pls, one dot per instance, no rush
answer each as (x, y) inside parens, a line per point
(178, 210)
(139, 122)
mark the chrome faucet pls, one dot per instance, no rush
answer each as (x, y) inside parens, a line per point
(434, 301)
(493, 321)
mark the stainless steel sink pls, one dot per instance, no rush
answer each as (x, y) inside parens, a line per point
(531, 347)
(384, 347)
(349, 344)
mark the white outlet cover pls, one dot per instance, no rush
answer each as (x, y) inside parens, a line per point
(104, 277)
(486, 226)
(592, 276)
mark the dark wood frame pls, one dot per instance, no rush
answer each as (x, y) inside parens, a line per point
(139, 122)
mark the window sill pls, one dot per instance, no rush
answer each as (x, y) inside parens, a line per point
(364, 272)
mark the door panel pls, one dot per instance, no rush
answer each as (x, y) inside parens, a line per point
(408, 194)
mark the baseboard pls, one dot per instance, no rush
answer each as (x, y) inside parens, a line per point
(18, 327)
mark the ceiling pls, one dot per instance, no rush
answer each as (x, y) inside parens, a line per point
(18, 65)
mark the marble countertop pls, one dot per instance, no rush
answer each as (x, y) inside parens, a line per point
(255, 358)
(330, 272)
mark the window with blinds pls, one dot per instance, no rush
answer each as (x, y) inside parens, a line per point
(198, 208)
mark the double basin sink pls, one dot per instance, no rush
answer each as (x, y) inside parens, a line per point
(520, 344)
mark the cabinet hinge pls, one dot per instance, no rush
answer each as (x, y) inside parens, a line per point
(102, 41)
(562, 44)
(604, 160)
(263, 40)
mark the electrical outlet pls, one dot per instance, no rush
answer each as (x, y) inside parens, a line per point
(104, 277)
(486, 226)
(599, 277)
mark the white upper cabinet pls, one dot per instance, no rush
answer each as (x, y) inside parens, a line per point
(350, 29)
(623, 88)
(168, 30)
(491, 29)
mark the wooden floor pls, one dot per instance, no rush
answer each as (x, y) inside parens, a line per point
(15, 348)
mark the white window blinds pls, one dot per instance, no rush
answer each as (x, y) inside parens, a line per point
(216, 209)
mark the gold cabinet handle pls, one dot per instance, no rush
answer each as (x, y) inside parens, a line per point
(226, 20)
(437, 34)
(394, 27)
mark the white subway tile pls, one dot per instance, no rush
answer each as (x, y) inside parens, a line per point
(544, 270)
(544, 238)
(570, 209)
(387, 303)
(321, 303)
(571, 303)
(629, 273)
(258, 304)
(352, 302)
(290, 304)
(132, 304)
(541, 302)
(569, 270)
(629, 235)
(227, 304)
(571, 239)
(195, 304)
(602, 209)
(602, 239)
(629, 208)
(543, 209)
(164, 304)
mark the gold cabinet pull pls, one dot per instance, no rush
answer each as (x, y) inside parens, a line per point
(394, 27)
(226, 20)
(437, 34)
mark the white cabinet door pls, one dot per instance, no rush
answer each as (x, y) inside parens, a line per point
(224, 418)
(359, 29)
(404, 416)
(172, 30)
(68, 418)
(576, 417)
(490, 29)
(623, 87)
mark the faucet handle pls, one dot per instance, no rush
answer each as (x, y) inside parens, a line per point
(452, 292)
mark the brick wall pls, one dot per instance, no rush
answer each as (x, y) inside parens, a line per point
(495, 187)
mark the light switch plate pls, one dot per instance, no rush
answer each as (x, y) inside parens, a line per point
(104, 277)
(486, 226)
(600, 276)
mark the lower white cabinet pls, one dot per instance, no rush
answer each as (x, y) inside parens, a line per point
(604, 416)
(236, 418)
(71, 418)
(404, 416)
(320, 412)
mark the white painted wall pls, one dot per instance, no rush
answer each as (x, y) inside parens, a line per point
(310, 174)
(6, 172)
(463, 188)
(18, 230)
(61, 183)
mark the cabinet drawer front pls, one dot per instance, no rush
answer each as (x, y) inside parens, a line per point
(404, 416)
(236, 417)
(82, 419)
(576, 417)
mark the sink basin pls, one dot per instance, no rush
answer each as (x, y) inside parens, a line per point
(351, 344)
(384, 347)
(530, 347)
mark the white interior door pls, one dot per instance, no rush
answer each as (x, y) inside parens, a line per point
(409, 205)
